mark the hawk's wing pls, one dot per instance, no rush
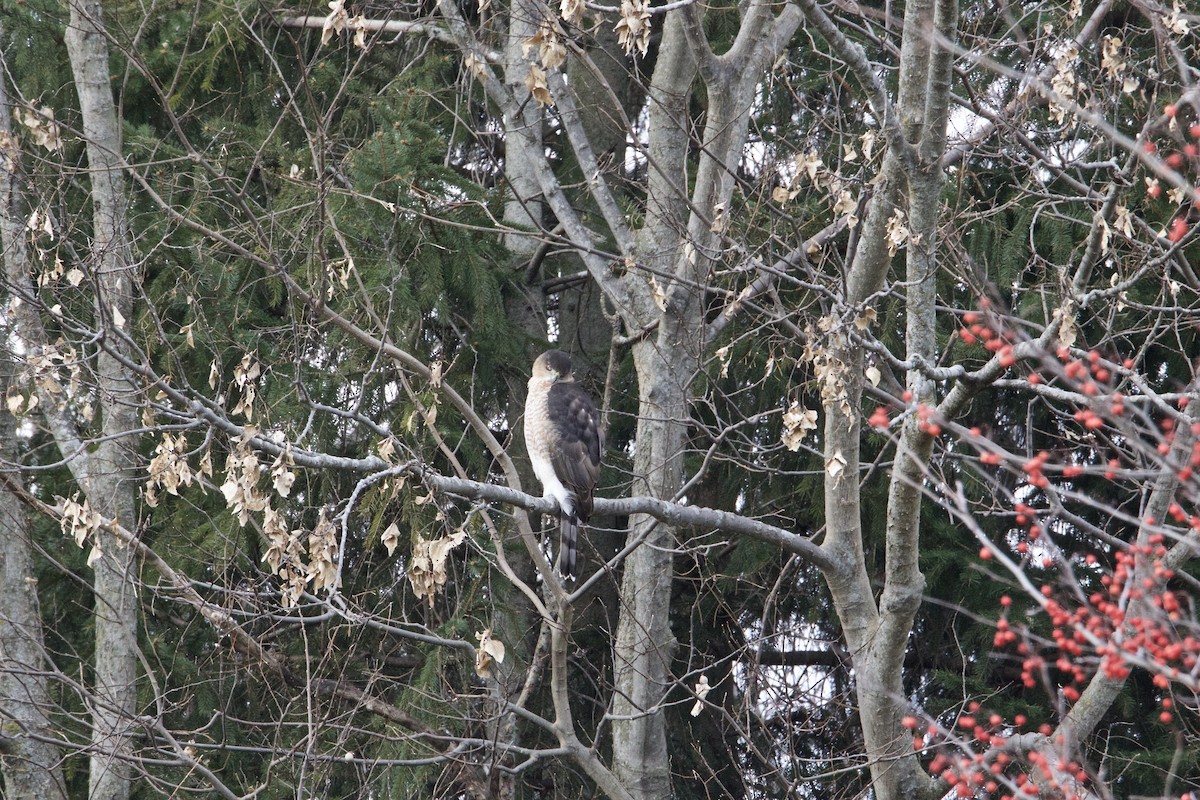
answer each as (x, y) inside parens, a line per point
(576, 459)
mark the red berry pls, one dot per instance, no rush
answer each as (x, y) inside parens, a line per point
(1179, 228)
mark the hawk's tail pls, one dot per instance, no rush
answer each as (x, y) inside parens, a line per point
(568, 547)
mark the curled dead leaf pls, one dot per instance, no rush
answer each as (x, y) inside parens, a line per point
(390, 538)
(835, 465)
(548, 43)
(476, 66)
(489, 652)
(359, 24)
(535, 82)
(702, 689)
(337, 21)
(572, 11)
(633, 29)
(897, 232)
(427, 568)
(42, 127)
(660, 296)
(797, 422)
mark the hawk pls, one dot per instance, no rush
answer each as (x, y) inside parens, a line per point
(565, 440)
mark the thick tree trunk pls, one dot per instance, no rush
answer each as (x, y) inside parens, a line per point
(28, 758)
(682, 239)
(515, 622)
(111, 486)
(877, 634)
(645, 645)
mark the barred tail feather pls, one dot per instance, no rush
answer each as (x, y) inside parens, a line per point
(568, 547)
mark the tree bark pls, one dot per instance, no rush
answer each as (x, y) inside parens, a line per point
(28, 758)
(682, 239)
(877, 634)
(515, 622)
(111, 486)
(645, 645)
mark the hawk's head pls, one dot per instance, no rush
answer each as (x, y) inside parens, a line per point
(552, 365)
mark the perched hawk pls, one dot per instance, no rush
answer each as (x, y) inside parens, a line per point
(564, 438)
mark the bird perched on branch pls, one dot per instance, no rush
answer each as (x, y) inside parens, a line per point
(565, 440)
